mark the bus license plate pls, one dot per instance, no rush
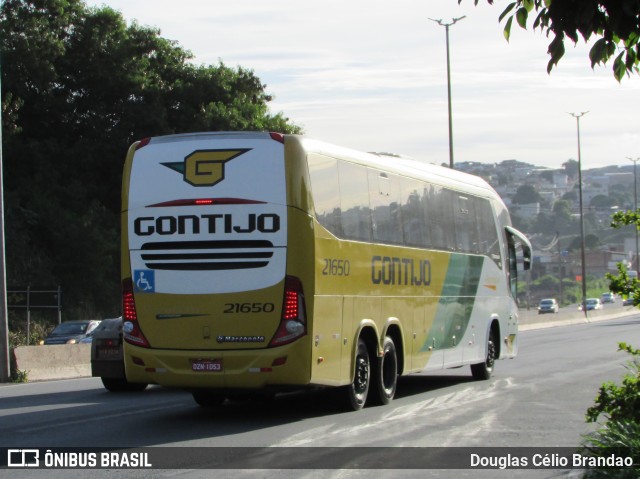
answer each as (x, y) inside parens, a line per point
(206, 365)
(107, 352)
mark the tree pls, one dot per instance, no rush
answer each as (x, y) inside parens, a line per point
(591, 241)
(525, 195)
(562, 217)
(547, 175)
(571, 168)
(624, 285)
(615, 22)
(618, 405)
(570, 196)
(602, 201)
(79, 86)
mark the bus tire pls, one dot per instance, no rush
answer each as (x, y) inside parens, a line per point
(483, 371)
(116, 385)
(208, 399)
(358, 390)
(386, 373)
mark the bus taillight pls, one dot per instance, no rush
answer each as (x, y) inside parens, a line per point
(293, 322)
(130, 328)
(277, 136)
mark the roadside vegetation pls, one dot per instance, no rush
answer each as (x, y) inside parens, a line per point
(569, 293)
(619, 434)
(618, 406)
(37, 331)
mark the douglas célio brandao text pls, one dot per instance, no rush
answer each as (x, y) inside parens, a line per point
(548, 461)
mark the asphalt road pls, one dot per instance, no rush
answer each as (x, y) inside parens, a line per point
(536, 400)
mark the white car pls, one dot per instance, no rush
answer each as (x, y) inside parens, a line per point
(608, 298)
(592, 304)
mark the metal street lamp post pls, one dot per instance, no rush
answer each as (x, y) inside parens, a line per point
(635, 206)
(446, 26)
(584, 269)
(4, 325)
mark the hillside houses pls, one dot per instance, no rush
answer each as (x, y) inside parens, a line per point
(604, 191)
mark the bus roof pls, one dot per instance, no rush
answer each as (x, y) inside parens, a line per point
(405, 167)
(390, 163)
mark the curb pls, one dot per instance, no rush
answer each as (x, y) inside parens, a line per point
(527, 322)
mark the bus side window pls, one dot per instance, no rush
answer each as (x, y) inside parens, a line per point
(414, 213)
(323, 172)
(441, 221)
(354, 201)
(384, 198)
(464, 222)
(487, 232)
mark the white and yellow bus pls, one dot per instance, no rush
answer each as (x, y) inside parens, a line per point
(261, 262)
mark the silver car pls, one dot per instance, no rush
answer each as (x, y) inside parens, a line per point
(549, 305)
(107, 360)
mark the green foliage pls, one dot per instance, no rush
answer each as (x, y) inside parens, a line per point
(18, 376)
(619, 438)
(525, 195)
(619, 403)
(591, 241)
(622, 283)
(620, 435)
(549, 286)
(79, 86)
(602, 201)
(18, 335)
(571, 168)
(621, 218)
(614, 23)
(546, 282)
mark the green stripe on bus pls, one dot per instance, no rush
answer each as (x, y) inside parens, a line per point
(456, 302)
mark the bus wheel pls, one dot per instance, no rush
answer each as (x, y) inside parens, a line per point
(358, 390)
(482, 371)
(208, 399)
(115, 385)
(386, 374)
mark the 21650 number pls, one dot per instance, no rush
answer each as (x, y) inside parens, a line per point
(336, 267)
(249, 308)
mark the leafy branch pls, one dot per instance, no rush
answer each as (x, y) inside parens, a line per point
(616, 23)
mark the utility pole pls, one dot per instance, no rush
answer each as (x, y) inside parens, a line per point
(635, 206)
(560, 267)
(5, 372)
(577, 116)
(446, 26)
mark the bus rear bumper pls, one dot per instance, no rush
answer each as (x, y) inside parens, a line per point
(238, 369)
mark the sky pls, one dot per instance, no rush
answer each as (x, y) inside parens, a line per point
(372, 75)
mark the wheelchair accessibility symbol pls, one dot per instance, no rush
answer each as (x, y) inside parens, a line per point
(144, 281)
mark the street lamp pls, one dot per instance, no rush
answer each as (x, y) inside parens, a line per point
(577, 116)
(446, 26)
(635, 206)
(5, 372)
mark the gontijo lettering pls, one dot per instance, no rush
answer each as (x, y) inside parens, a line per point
(400, 271)
(211, 224)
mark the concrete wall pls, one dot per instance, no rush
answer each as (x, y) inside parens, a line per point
(61, 361)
